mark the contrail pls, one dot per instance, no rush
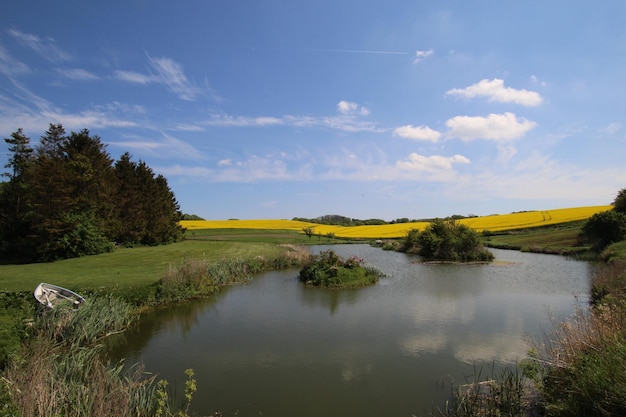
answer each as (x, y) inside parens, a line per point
(343, 51)
(353, 51)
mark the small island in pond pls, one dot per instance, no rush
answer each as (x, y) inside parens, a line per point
(328, 270)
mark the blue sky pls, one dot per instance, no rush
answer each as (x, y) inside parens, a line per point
(367, 109)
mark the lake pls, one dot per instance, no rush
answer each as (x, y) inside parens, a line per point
(273, 347)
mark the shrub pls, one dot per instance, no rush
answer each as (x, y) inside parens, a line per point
(447, 240)
(328, 270)
(605, 228)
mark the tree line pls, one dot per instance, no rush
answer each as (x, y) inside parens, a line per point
(66, 197)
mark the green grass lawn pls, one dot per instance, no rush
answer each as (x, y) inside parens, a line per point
(126, 267)
(561, 238)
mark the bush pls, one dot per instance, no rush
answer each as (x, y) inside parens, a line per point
(605, 228)
(447, 241)
(328, 270)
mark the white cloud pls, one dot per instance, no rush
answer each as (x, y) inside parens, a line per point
(221, 120)
(11, 66)
(166, 72)
(421, 55)
(612, 128)
(45, 47)
(171, 74)
(417, 133)
(349, 108)
(164, 148)
(431, 164)
(499, 127)
(78, 74)
(495, 90)
(133, 77)
(535, 80)
(344, 122)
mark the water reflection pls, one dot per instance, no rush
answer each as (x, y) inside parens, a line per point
(277, 347)
(328, 299)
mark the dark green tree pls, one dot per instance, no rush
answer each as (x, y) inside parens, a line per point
(14, 223)
(71, 187)
(148, 210)
(605, 228)
(52, 143)
(66, 199)
(619, 204)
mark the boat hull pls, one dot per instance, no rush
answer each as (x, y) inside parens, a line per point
(52, 295)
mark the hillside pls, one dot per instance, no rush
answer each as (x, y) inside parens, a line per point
(493, 223)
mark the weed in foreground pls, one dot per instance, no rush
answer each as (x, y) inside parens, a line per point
(509, 393)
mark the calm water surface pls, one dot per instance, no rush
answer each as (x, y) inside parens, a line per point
(275, 348)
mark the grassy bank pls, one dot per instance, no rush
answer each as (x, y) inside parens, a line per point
(128, 267)
(561, 239)
(51, 359)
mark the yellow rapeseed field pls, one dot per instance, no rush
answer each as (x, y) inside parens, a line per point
(388, 231)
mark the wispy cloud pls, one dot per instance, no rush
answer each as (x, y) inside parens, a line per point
(612, 128)
(498, 127)
(134, 77)
(347, 51)
(430, 164)
(78, 74)
(417, 133)
(495, 90)
(10, 66)
(222, 120)
(45, 47)
(349, 119)
(167, 72)
(349, 108)
(422, 55)
(35, 113)
(163, 148)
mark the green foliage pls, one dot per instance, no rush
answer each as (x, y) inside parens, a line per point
(447, 240)
(328, 270)
(309, 231)
(605, 228)
(66, 199)
(591, 385)
(16, 309)
(163, 401)
(620, 201)
(186, 216)
(81, 237)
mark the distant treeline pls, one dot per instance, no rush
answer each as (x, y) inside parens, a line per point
(191, 217)
(337, 220)
(66, 197)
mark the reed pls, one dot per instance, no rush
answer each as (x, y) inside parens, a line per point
(506, 393)
(583, 362)
(199, 277)
(62, 371)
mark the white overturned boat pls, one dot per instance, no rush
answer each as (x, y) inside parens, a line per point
(53, 295)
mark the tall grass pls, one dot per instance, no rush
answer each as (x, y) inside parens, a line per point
(199, 277)
(61, 370)
(506, 393)
(584, 366)
(582, 362)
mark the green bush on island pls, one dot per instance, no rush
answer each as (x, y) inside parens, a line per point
(447, 240)
(328, 270)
